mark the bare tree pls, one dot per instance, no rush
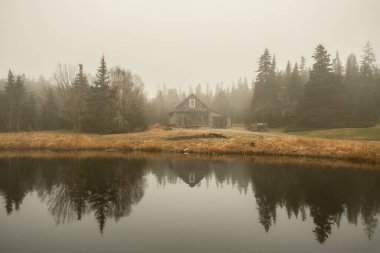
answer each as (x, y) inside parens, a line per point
(64, 77)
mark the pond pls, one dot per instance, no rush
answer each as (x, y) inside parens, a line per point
(153, 203)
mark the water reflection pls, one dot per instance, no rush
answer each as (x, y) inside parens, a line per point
(109, 188)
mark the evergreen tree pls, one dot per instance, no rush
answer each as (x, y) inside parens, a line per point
(19, 96)
(273, 68)
(353, 84)
(303, 70)
(292, 94)
(288, 71)
(337, 65)
(377, 95)
(198, 91)
(160, 109)
(50, 112)
(367, 68)
(295, 85)
(9, 95)
(3, 115)
(324, 102)
(30, 119)
(221, 104)
(322, 66)
(265, 96)
(79, 89)
(14, 96)
(352, 69)
(366, 103)
(303, 64)
(100, 114)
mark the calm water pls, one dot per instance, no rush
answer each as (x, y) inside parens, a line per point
(137, 204)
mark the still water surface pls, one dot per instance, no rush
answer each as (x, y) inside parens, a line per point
(172, 204)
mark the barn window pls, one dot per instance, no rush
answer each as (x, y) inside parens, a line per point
(192, 103)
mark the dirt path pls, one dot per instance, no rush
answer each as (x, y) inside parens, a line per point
(244, 131)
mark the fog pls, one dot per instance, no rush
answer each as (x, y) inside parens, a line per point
(177, 42)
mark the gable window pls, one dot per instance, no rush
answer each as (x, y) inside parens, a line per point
(192, 103)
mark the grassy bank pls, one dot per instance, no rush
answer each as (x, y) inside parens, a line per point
(159, 140)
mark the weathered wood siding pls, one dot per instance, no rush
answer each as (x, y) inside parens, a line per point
(192, 112)
(189, 119)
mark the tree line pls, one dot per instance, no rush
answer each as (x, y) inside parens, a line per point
(114, 102)
(325, 95)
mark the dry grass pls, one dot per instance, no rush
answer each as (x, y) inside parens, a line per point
(159, 141)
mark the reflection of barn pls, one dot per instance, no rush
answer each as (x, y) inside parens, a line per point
(192, 112)
(190, 171)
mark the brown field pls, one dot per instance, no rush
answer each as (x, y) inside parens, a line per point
(158, 140)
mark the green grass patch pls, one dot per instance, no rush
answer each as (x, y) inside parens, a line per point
(370, 133)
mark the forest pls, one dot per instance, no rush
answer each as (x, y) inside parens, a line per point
(326, 94)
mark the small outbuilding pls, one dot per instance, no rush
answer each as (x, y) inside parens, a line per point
(192, 112)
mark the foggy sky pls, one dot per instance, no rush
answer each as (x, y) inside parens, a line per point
(179, 42)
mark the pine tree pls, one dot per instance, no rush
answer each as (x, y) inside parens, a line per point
(324, 101)
(322, 65)
(273, 68)
(14, 96)
(50, 112)
(198, 91)
(31, 116)
(377, 94)
(19, 97)
(337, 65)
(303, 64)
(265, 96)
(288, 70)
(352, 69)
(265, 66)
(9, 95)
(3, 112)
(367, 68)
(79, 89)
(353, 83)
(221, 103)
(100, 114)
(366, 102)
(303, 70)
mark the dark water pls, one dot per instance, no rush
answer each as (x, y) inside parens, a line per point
(139, 204)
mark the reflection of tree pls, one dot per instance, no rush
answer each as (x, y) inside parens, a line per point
(325, 192)
(15, 181)
(370, 223)
(267, 196)
(107, 187)
(74, 188)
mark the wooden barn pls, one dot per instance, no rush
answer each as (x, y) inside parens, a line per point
(192, 112)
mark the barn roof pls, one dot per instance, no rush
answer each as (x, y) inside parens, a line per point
(179, 107)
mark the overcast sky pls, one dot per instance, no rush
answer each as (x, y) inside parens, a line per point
(179, 42)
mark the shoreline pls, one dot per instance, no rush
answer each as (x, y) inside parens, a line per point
(160, 141)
